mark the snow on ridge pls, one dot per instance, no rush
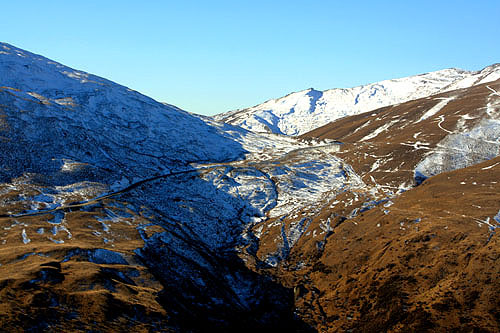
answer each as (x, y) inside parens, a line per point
(300, 112)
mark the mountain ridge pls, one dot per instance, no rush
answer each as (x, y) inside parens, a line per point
(299, 112)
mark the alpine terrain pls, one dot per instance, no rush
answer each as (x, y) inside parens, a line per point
(368, 209)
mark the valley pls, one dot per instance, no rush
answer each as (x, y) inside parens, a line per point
(119, 212)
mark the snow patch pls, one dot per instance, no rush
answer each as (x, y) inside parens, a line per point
(379, 130)
(26, 240)
(436, 108)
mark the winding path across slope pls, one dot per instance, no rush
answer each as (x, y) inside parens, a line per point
(104, 196)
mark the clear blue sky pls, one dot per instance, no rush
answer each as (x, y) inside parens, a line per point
(213, 56)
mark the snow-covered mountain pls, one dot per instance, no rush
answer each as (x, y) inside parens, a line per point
(303, 111)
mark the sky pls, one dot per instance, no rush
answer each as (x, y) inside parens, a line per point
(209, 57)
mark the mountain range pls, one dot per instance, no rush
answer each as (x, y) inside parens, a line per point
(303, 111)
(367, 209)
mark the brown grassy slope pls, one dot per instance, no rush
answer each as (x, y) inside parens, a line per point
(51, 284)
(426, 263)
(405, 142)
